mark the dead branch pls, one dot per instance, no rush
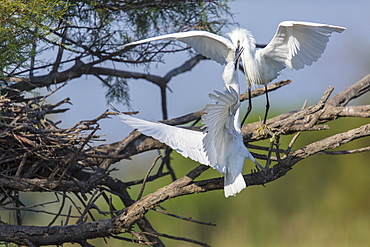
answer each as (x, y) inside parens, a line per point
(34, 156)
(287, 123)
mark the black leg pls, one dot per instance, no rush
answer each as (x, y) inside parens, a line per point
(267, 105)
(249, 106)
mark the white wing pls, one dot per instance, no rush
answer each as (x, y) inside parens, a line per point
(210, 45)
(220, 129)
(223, 141)
(297, 44)
(186, 142)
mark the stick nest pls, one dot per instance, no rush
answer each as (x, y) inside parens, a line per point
(34, 147)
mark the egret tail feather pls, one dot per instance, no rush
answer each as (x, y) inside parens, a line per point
(232, 185)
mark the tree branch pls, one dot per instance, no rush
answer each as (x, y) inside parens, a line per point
(45, 235)
(180, 187)
(134, 212)
(287, 123)
(352, 92)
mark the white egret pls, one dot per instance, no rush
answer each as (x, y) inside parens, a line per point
(220, 145)
(295, 44)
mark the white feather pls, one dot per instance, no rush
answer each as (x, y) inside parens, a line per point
(295, 45)
(186, 142)
(223, 142)
(210, 45)
(219, 146)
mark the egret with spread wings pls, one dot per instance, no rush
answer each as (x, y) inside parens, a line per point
(295, 44)
(220, 145)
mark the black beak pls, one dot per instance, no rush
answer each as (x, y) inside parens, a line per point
(238, 52)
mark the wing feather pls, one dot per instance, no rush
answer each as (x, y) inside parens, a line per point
(297, 44)
(211, 45)
(186, 142)
(219, 127)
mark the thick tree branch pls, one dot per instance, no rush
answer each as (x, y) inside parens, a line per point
(45, 235)
(134, 211)
(287, 123)
(80, 68)
(180, 187)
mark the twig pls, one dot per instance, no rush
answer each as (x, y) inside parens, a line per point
(353, 151)
(39, 211)
(291, 143)
(28, 207)
(178, 238)
(132, 240)
(21, 165)
(60, 209)
(68, 215)
(150, 178)
(260, 91)
(183, 218)
(95, 196)
(146, 177)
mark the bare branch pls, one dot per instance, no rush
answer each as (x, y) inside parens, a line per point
(187, 66)
(146, 177)
(56, 235)
(183, 218)
(352, 92)
(354, 151)
(84, 170)
(260, 91)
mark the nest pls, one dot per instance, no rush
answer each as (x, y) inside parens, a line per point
(34, 147)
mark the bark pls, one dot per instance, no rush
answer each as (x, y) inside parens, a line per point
(73, 178)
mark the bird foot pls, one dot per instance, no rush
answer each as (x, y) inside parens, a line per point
(264, 130)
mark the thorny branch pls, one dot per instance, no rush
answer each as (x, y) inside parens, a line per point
(34, 152)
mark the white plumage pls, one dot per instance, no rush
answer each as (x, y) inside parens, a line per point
(186, 142)
(219, 146)
(223, 142)
(295, 44)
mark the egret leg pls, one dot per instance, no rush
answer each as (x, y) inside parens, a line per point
(260, 166)
(249, 106)
(274, 141)
(264, 129)
(267, 105)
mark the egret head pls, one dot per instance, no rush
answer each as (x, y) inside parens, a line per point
(242, 38)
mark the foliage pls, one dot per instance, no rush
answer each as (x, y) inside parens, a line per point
(22, 24)
(91, 34)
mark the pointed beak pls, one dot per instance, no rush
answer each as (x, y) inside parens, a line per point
(238, 52)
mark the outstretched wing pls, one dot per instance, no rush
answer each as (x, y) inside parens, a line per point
(297, 43)
(210, 45)
(186, 142)
(219, 127)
